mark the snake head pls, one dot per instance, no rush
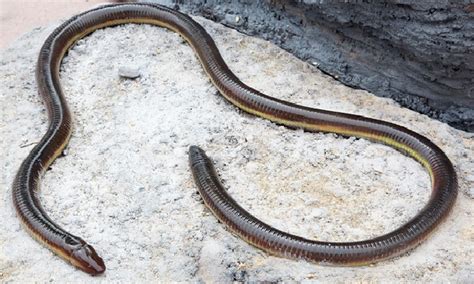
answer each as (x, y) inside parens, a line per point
(85, 258)
(196, 155)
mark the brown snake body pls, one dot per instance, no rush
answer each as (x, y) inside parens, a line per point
(83, 256)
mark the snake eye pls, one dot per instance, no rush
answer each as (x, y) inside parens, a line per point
(195, 150)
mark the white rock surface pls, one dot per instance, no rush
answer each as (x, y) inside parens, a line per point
(126, 188)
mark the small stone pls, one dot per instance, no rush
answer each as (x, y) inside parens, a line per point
(233, 20)
(129, 72)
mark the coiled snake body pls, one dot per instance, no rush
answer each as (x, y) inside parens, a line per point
(83, 255)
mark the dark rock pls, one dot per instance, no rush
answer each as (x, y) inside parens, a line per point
(420, 53)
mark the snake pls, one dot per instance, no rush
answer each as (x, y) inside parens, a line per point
(83, 256)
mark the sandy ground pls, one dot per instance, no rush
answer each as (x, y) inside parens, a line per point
(126, 188)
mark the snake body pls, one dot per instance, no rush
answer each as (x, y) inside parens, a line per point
(83, 255)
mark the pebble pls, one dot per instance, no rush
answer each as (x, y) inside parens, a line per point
(234, 20)
(129, 72)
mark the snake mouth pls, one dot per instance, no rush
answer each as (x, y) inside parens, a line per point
(86, 259)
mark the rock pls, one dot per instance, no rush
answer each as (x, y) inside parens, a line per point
(129, 72)
(417, 52)
(125, 185)
(233, 20)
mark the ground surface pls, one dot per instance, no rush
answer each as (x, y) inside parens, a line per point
(125, 185)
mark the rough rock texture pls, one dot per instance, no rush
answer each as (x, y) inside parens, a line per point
(125, 185)
(420, 53)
